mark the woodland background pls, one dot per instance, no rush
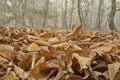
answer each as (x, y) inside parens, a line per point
(93, 14)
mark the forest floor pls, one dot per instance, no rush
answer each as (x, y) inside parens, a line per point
(49, 54)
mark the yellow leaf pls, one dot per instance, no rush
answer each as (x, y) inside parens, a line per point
(87, 35)
(33, 47)
(46, 35)
(77, 30)
(44, 39)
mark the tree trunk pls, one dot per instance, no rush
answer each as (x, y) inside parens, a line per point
(65, 15)
(99, 15)
(79, 10)
(71, 12)
(112, 15)
(45, 12)
(24, 6)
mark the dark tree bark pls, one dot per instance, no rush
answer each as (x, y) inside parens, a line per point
(45, 12)
(112, 15)
(79, 10)
(99, 14)
(71, 12)
(81, 13)
(65, 15)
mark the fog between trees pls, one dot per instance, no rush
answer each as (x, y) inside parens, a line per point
(93, 14)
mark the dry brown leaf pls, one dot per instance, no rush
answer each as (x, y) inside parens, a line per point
(7, 51)
(87, 35)
(6, 47)
(20, 72)
(54, 40)
(25, 61)
(76, 48)
(39, 72)
(61, 45)
(3, 60)
(9, 76)
(45, 48)
(101, 46)
(39, 42)
(83, 61)
(106, 74)
(113, 69)
(77, 30)
(46, 35)
(75, 77)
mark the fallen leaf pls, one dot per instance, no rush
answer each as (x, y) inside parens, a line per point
(76, 48)
(61, 45)
(9, 76)
(83, 61)
(77, 30)
(75, 77)
(7, 51)
(113, 69)
(46, 35)
(33, 47)
(54, 40)
(25, 61)
(20, 72)
(105, 47)
(39, 72)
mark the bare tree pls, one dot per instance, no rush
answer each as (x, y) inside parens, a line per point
(64, 18)
(24, 6)
(112, 15)
(99, 15)
(79, 10)
(45, 12)
(71, 12)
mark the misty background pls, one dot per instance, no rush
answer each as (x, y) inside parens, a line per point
(93, 14)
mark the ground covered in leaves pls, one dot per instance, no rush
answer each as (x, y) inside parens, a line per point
(48, 54)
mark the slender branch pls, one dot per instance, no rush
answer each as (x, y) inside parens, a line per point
(91, 72)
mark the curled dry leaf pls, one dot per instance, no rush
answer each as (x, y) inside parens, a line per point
(25, 61)
(6, 47)
(105, 47)
(39, 42)
(39, 72)
(46, 35)
(20, 72)
(7, 51)
(45, 48)
(76, 48)
(9, 76)
(77, 30)
(61, 45)
(113, 69)
(75, 77)
(83, 61)
(53, 40)
(59, 75)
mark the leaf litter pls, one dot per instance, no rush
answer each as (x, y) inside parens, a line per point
(28, 53)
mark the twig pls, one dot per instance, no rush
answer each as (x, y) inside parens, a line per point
(91, 72)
